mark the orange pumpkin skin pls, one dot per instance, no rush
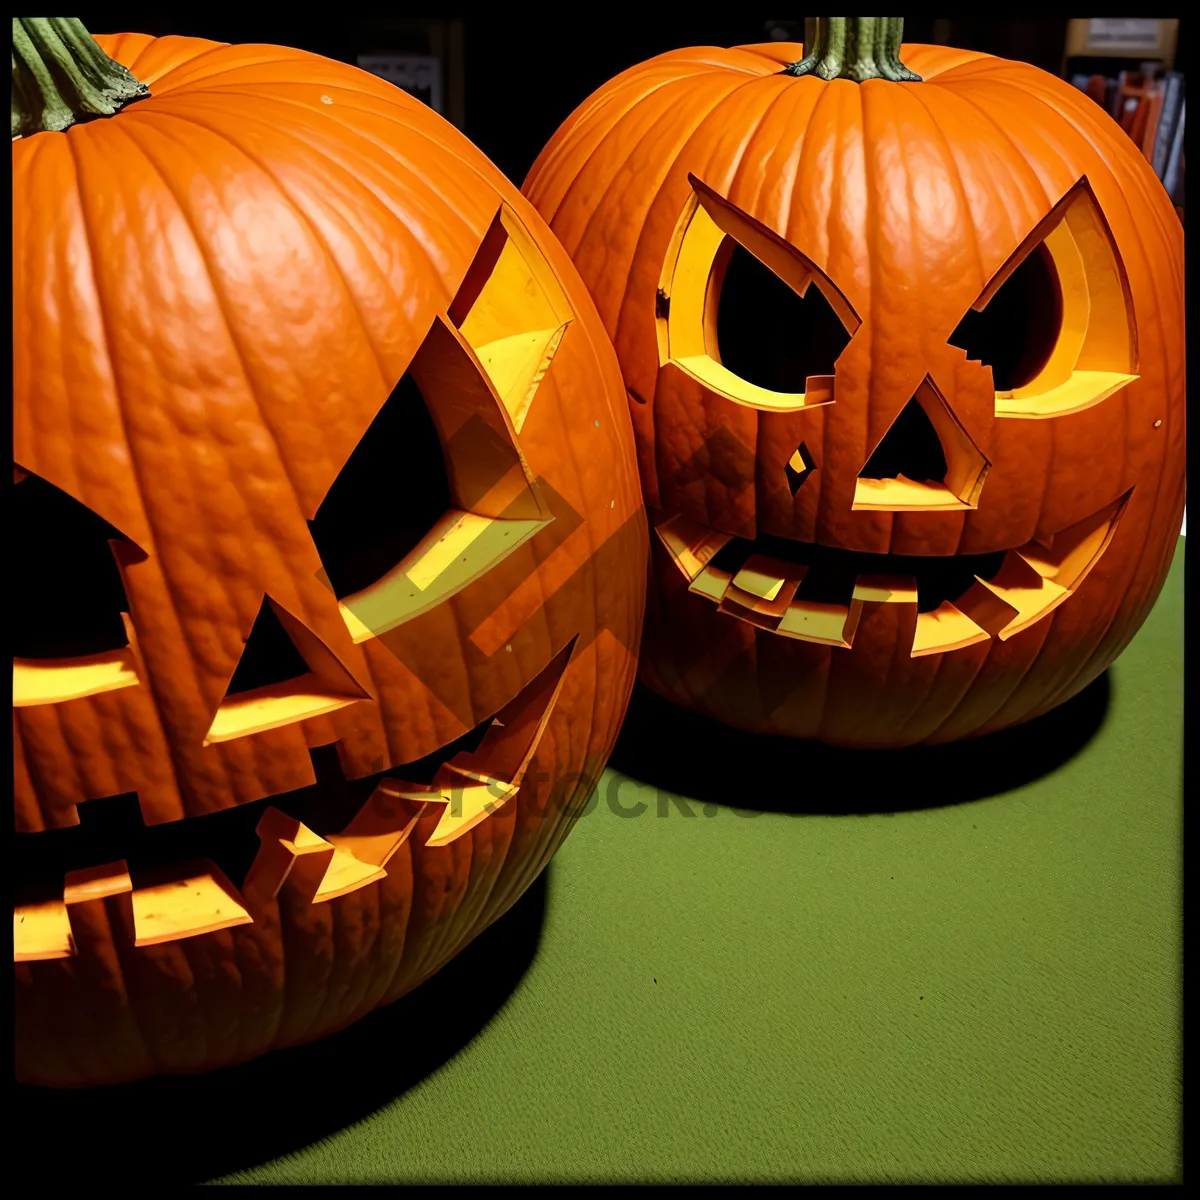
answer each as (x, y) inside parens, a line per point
(214, 292)
(904, 201)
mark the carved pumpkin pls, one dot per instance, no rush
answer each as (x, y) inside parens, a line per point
(906, 367)
(330, 558)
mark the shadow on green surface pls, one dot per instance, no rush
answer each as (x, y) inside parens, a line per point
(658, 746)
(190, 1129)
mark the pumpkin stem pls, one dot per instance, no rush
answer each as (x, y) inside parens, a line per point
(858, 48)
(60, 76)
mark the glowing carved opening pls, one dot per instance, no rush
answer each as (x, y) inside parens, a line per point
(1056, 321)
(798, 468)
(512, 312)
(1036, 579)
(494, 505)
(817, 594)
(926, 460)
(706, 239)
(187, 901)
(474, 784)
(285, 674)
(72, 635)
(467, 788)
(768, 334)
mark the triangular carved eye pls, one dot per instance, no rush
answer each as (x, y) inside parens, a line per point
(745, 313)
(437, 492)
(70, 599)
(72, 633)
(388, 496)
(1016, 332)
(1055, 323)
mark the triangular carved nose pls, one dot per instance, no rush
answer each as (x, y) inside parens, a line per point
(911, 447)
(925, 460)
(285, 674)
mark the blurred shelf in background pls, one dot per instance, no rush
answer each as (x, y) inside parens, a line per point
(1127, 66)
(1140, 38)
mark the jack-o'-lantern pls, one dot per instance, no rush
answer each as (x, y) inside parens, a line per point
(904, 349)
(330, 549)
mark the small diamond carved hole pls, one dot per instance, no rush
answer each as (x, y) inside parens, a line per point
(798, 468)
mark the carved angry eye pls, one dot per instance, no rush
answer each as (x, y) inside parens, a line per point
(434, 495)
(72, 635)
(437, 492)
(1055, 323)
(745, 313)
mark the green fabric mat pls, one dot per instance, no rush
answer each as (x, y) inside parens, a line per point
(983, 986)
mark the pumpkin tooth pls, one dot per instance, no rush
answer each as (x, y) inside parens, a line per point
(885, 589)
(42, 931)
(495, 769)
(323, 868)
(92, 903)
(1070, 554)
(1036, 578)
(825, 624)
(945, 628)
(690, 544)
(762, 590)
(712, 582)
(466, 804)
(196, 899)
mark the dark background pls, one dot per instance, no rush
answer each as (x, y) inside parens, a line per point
(520, 77)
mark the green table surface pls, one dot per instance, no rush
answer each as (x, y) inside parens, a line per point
(983, 986)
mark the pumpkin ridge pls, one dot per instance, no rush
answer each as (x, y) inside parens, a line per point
(755, 131)
(182, 629)
(870, 318)
(318, 237)
(355, 179)
(619, 166)
(561, 149)
(818, 122)
(139, 486)
(653, 128)
(221, 301)
(955, 171)
(1046, 625)
(404, 163)
(554, 150)
(164, 76)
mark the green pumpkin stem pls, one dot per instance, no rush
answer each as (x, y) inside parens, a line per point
(858, 48)
(61, 76)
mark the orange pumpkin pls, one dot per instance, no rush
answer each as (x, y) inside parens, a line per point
(905, 359)
(330, 558)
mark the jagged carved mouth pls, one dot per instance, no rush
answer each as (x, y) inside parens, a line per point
(165, 882)
(821, 594)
